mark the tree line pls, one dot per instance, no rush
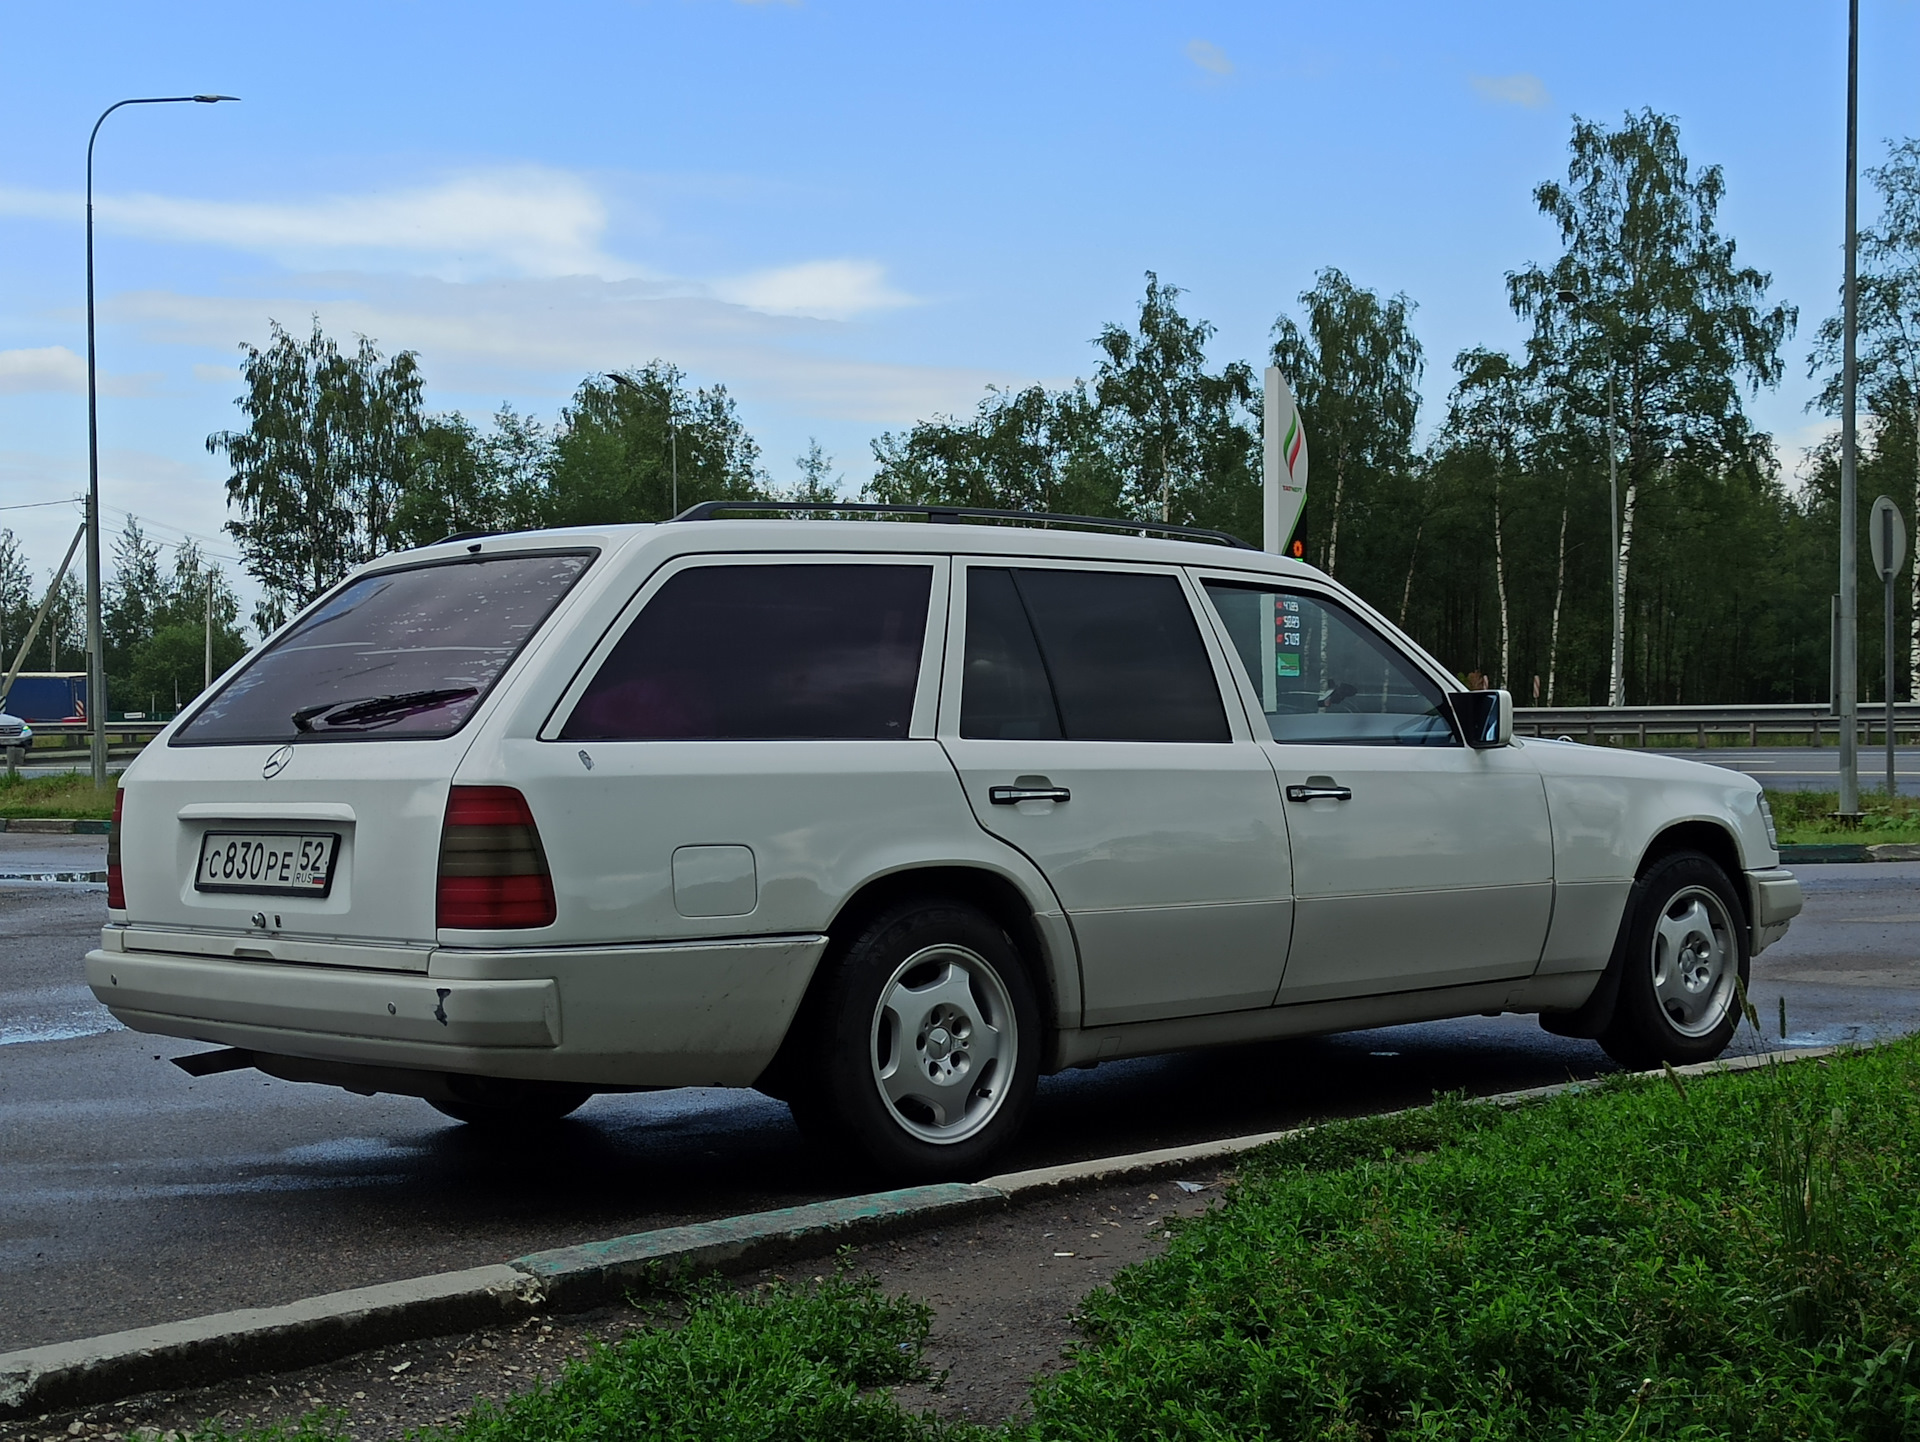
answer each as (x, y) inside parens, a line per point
(1607, 463)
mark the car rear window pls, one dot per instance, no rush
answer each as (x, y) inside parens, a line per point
(408, 653)
(768, 653)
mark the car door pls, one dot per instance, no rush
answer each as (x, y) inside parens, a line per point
(1418, 861)
(1083, 710)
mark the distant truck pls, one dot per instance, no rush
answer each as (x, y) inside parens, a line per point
(46, 696)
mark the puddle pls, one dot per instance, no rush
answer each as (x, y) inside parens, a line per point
(58, 1030)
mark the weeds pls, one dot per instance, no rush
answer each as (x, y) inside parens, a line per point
(69, 793)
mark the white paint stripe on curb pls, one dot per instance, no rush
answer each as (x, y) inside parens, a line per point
(319, 1329)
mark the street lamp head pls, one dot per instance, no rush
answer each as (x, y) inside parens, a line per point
(213, 99)
(1569, 297)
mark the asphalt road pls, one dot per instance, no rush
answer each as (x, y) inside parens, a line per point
(131, 1193)
(1807, 768)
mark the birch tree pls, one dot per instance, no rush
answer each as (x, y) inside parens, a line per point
(1647, 291)
(1354, 364)
(1889, 350)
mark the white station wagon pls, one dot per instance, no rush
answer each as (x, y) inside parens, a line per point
(887, 820)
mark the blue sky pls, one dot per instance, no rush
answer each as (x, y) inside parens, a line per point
(854, 215)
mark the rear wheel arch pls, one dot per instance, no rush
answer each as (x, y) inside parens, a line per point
(988, 892)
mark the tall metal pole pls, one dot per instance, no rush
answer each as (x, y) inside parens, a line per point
(208, 682)
(96, 656)
(1616, 685)
(1849, 521)
(1891, 574)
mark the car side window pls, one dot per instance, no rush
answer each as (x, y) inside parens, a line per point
(1085, 656)
(1324, 676)
(737, 653)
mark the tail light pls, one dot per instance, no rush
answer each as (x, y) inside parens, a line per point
(493, 870)
(116, 883)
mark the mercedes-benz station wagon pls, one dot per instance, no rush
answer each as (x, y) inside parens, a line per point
(887, 818)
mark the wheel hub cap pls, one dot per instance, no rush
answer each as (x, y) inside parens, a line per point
(1695, 961)
(943, 1040)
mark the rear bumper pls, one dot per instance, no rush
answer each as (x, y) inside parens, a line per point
(1774, 900)
(704, 1013)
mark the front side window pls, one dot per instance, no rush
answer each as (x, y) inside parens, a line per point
(766, 653)
(1324, 676)
(397, 654)
(1085, 656)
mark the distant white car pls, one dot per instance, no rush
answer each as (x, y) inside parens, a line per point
(14, 731)
(887, 820)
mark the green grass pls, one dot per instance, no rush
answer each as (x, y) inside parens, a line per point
(70, 793)
(1805, 818)
(1738, 1256)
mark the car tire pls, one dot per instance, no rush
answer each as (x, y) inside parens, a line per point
(1683, 960)
(927, 1044)
(502, 1103)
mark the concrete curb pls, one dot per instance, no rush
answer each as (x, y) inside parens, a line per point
(229, 1344)
(53, 825)
(318, 1329)
(573, 1279)
(1816, 853)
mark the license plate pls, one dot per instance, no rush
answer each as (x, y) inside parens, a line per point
(267, 863)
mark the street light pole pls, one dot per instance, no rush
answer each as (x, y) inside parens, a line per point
(96, 654)
(1848, 639)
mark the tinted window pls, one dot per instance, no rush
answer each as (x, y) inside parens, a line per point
(1004, 694)
(737, 653)
(1120, 650)
(404, 653)
(1325, 676)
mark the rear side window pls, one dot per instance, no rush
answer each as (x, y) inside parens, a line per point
(398, 654)
(739, 653)
(1085, 656)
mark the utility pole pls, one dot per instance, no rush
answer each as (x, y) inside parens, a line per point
(1848, 639)
(207, 684)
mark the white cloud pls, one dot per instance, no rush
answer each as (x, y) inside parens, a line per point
(1209, 57)
(527, 220)
(528, 335)
(831, 289)
(46, 368)
(1522, 89)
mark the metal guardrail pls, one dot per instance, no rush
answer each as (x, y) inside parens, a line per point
(1813, 722)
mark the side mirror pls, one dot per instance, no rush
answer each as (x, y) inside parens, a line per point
(1486, 717)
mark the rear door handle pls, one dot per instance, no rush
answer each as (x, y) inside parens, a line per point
(1014, 795)
(1319, 793)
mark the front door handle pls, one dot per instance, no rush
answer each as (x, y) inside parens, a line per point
(1319, 792)
(1014, 795)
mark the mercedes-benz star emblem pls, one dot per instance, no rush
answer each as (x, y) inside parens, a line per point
(277, 763)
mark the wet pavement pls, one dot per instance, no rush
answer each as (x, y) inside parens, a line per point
(131, 1193)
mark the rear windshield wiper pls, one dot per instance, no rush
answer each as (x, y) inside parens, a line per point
(376, 710)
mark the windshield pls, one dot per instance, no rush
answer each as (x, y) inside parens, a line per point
(398, 654)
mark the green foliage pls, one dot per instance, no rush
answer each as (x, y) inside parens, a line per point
(156, 624)
(1354, 368)
(18, 600)
(1731, 1259)
(628, 442)
(793, 1363)
(69, 794)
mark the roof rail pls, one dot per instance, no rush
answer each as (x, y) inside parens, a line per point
(952, 515)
